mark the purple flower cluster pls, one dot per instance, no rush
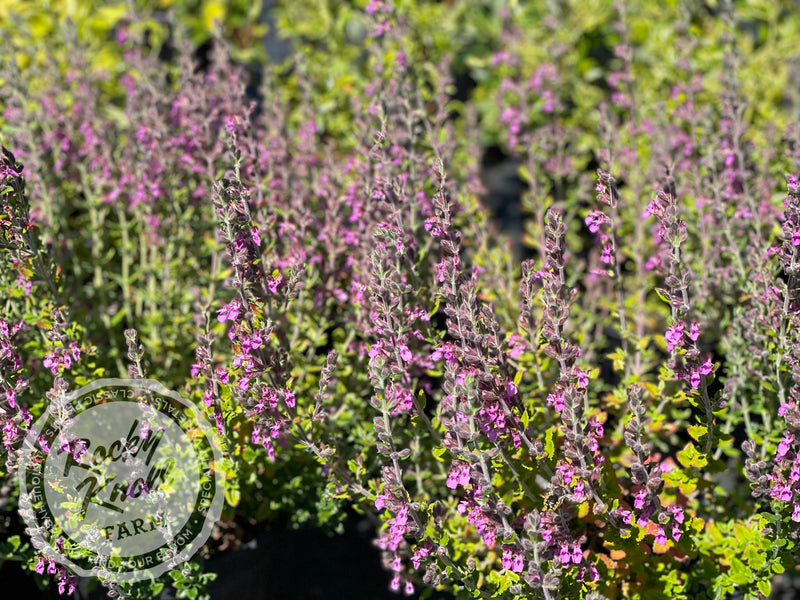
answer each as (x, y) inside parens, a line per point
(580, 472)
(774, 472)
(647, 481)
(15, 417)
(66, 582)
(686, 359)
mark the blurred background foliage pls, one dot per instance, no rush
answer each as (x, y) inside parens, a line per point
(328, 37)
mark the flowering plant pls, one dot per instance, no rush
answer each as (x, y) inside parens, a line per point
(603, 406)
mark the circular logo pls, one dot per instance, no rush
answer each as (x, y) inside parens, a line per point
(121, 480)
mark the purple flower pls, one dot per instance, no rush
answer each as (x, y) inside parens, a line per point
(459, 475)
(781, 492)
(785, 444)
(595, 219)
(694, 378)
(405, 353)
(229, 312)
(274, 281)
(564, 554)
(583, 379)
(677, 513)
(674, 336)
(661, 536)
(556, 401)
(676, 532)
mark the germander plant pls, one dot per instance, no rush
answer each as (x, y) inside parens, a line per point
(613, 417)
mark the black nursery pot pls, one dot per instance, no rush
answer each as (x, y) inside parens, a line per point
(278, 563)
(305, 564)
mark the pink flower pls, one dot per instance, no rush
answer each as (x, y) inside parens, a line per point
(694, 379)
(274, 281)
(583, 379)
(785, 444)
(594, 220)
(674, 336)
(706, 367)
(677, 513)
(579, 491)
(564, 554)
(229, 312)
(51, 362)
(781, 492)
(405, 353)
(459, 475)
(506, 560)
(556, 401)
(661, 536)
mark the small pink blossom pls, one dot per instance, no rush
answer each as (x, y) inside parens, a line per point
(661, 536)
(583, 379)
(785, 444)
(229, 312)
(405, 353)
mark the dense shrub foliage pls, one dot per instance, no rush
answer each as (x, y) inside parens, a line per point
(595, 398)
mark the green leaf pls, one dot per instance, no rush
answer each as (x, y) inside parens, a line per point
(697, 431)
(435, 307)
(525, 419)
(549, 447)
(765, 587)
(740, 574)
(233, 494)
(662, 293)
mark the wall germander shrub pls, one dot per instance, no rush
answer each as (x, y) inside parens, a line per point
(615, 416)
